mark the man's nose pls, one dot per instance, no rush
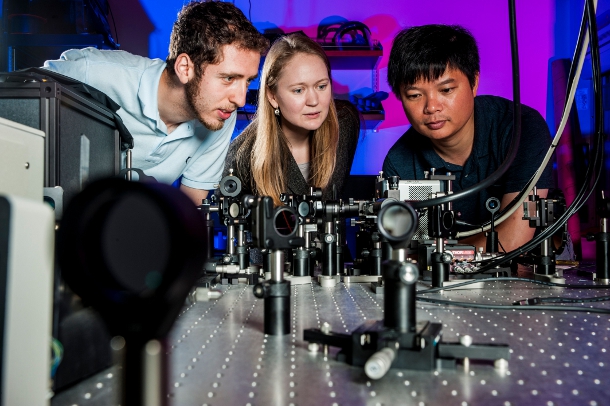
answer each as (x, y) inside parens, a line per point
(238, 96)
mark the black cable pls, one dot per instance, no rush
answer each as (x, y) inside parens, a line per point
(570, 83)
(101, 10)
(465, 223)
(511, 279)
(514, 145)
(579, 45)
(580, 199)
(116, 33)
(597, 166)
(501, 246)
(538, 300)
(513, 307)
(598, 91)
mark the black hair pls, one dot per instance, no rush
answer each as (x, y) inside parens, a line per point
(203, 27)
(426, 51)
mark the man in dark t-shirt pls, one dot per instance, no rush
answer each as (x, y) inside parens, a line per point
(434, 71)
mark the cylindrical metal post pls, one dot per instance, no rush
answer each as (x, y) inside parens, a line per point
(546, 262)
(440, 270)
(276, 292)
(374, 259)
(266, 265)
(276, 265)
(155, 374)
(399, 295)
(128, 163)
(242, 251)
(142, 376)
(492, 242)
(329, 250)
(602, 253)
(449, 186)
(209, 224)
(386, 250)
(340, 262)
(231, 239)
(277, 308)
(300, 260)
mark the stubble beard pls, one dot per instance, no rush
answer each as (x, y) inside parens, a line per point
(197, 104)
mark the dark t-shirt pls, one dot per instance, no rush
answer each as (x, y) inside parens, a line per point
(413, 154)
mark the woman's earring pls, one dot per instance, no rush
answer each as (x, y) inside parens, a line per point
(277, 111)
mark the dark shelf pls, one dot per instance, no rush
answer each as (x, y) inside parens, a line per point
(353, 59)
(28, 50)
(372, 120)
(64, 40)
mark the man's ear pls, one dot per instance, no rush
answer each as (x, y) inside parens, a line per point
(476, 85)
(184, 68)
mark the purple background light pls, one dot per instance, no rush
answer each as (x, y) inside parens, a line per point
(544, 28)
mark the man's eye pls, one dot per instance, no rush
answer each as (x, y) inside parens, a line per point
(228, 79)
(412, 96)
(447, 90)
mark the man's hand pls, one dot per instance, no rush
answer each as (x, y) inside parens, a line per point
(513, 232)
(196, 195)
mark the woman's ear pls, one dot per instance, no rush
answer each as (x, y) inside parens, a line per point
(272, 99)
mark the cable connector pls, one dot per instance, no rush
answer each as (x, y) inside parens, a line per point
(528, 302)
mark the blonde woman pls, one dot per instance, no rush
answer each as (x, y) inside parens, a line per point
(300, 136)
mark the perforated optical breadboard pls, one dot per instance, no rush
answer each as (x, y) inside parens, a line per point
(220, 356)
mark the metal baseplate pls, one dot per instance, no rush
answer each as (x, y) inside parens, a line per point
(421, 349)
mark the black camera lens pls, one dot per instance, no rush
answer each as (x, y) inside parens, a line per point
(397, 221)
(230, 186)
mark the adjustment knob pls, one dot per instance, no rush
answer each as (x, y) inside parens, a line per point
(259, 290)
(447, 257)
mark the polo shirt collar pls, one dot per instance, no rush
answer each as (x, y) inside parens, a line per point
(147, 94)
(430, 154)
(434, 160)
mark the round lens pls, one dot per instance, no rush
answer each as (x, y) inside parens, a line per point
(397, 221)
(285, 222)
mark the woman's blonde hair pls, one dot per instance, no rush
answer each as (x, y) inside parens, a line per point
(270, 150)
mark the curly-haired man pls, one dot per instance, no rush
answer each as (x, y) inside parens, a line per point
(182, 111)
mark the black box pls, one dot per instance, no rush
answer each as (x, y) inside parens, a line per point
(65, 116)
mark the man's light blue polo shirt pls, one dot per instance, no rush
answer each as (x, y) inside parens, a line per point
(191, 150)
